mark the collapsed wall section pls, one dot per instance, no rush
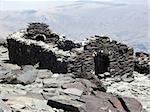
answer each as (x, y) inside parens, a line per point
(30, 52)
(41, 32)
(101, 52)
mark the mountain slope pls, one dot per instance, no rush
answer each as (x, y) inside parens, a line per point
(124, 21)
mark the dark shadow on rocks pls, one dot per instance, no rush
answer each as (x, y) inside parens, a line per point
(65, 107)
(8, 61)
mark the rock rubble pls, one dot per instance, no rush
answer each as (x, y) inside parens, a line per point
(63, 93)
(53, 92)
(41, 71)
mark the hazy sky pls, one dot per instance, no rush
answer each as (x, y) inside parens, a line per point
(29, 4)
(51, 0)
(41, 4)
(26, 4)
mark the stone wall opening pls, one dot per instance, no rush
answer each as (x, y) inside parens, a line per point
(40, 38)
(102, 63)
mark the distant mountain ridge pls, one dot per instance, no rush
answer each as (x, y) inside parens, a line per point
(124, 21)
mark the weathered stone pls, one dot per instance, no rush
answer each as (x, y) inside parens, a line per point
(132, 105)
(127, 77)
(73, 91)
(80, 90)
(66, 45)
(28, 76)
(142, 61)
(1, 110)
(99, 55)
(43, 74)
(4, 107)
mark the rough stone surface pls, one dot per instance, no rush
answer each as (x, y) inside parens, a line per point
(48, 89)
(73, 91)
(142, 63)
(58, 75)
(95, 56)
(139, 88)
(46, 94)
(102, 55)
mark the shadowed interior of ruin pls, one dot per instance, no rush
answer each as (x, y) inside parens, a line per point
(40, 38)
(101, 63)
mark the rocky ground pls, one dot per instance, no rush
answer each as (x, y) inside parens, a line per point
(27, 89)
(139, 88)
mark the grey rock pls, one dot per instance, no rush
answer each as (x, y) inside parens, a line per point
(44, 74)
(107, 74)
(101, 75)
(127, 78)
(98, 57)
(1, 110)
(28, 76)
(73, 91)
(141, 62)
(4, 107)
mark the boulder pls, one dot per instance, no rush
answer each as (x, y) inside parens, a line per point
(28, 75)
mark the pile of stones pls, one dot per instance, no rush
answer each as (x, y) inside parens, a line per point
(38, 28)
(142, 62)
(40, 31)
(31, 90)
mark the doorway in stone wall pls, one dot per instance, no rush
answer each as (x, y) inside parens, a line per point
(101, 61)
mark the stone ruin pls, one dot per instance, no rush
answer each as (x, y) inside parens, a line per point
(68, 74)
(37, 44)
(100, 55)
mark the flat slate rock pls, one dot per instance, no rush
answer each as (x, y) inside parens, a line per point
(73, 91)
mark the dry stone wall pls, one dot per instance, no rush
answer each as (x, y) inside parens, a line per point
(96, 56)
(117, 57)
(30, 52)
